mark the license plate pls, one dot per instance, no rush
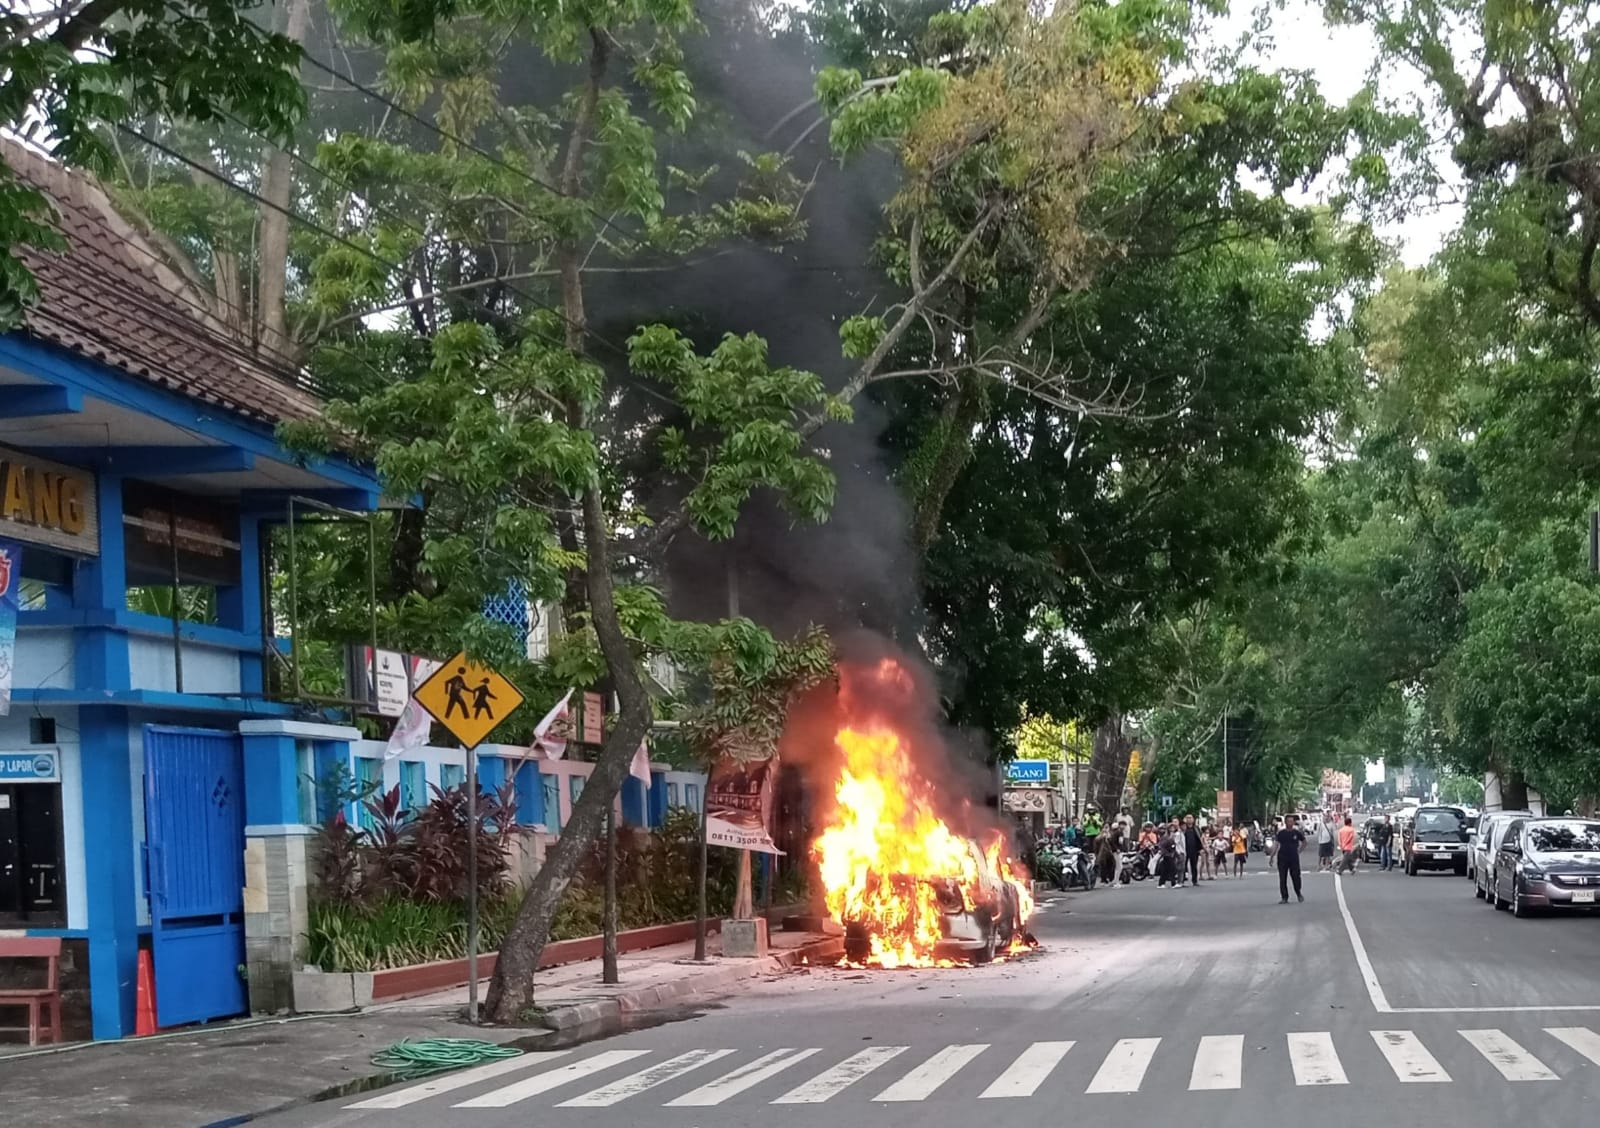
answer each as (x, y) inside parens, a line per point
(1583, 896)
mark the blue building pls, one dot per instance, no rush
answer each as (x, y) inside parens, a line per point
(147, 781)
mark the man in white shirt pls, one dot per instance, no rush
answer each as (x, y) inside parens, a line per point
(1324, 846)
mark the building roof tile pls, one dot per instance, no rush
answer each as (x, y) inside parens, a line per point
(110, 296)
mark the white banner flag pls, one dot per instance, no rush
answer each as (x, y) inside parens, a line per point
(640, 768)
(550, 735)
(411, 730)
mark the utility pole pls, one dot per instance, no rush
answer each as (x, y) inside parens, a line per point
(1224, 749)
(608, 945)
(472, 885)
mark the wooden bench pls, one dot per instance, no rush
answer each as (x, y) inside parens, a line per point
(36, 999)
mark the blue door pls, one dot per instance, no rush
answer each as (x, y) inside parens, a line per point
(194, 840)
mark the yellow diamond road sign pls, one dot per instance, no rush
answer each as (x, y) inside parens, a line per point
(468, 699)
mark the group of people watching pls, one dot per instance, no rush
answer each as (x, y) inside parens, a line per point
(1186, 853)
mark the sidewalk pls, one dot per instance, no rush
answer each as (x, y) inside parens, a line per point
(205, 1075)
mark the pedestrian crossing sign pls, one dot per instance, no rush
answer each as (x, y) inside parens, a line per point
(468, 699)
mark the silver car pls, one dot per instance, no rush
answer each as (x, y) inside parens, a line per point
(1486, 845)
(1548, 864)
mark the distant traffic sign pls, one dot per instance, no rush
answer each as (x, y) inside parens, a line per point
(1028, 771)
(468, 699)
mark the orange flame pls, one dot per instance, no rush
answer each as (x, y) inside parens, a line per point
(892, 867)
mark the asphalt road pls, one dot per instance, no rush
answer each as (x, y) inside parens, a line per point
(1404, 1002)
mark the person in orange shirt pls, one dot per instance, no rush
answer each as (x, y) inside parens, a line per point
(1347, 846)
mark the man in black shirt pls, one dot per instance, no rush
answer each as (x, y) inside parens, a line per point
(1385, 838)
(1290, 839)
(1193, 844)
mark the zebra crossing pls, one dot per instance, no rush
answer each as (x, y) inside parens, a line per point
(896, 1074)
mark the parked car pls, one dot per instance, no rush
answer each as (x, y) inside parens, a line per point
(1548, 864)
(1436, 838)
(1485, 845)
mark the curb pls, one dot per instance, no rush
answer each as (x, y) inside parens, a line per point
(712, 980)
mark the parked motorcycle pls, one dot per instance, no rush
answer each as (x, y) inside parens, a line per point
(1135, 866)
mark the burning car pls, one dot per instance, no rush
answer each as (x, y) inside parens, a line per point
(908, 889)
(975, 920)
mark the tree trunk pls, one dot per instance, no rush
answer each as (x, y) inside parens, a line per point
(1108, 764)
(962, 413)
(405, 559)
(511, 992)
(273, 254)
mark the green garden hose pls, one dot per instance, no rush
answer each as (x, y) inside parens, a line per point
(410, 1060)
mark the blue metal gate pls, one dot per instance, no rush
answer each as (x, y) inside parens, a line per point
(194, 841)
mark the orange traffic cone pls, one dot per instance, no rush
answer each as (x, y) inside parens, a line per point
(146, 1020)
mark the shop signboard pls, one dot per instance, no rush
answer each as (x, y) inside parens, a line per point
(593, 729)
(33, 766)
(387, 694)
(1027, 800)
(739, 804)
(1028, 771)
(43, 502)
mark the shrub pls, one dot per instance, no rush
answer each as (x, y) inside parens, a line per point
(419, 856)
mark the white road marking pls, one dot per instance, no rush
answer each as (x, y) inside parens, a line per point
(1408, 1057)
(745, 1077)
(1218, 1063)
(1508, 1056)
(842, 1076)
(400, 1098)
(1580, 1038)
(1024, 1076)
(1124, 1067)
(920, 1083)
(1586, 1007)
(634, 1084)
(533, 1086)
(1380, 1001)
(1314, 1060)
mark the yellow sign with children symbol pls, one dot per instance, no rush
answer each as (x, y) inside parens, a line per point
(468, 699)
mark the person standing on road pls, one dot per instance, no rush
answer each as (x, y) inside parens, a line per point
(1241, 850)
(1105, 852)
(1193, 847)
(1179, 852)
(1385, 837)
(1324, 846)
(1091, 831)
(1289, 841)
(1347, 846)
(1166, 857)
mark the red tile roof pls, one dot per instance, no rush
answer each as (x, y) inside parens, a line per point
(111, 297)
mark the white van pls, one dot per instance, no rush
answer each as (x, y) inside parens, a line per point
(1486, 845)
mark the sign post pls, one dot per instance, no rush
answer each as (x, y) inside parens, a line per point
(469, 700)
(1225, 806)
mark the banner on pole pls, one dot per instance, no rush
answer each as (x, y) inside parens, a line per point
(10, 601)
(739, 797)
(411, 731)
(1225, 806)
